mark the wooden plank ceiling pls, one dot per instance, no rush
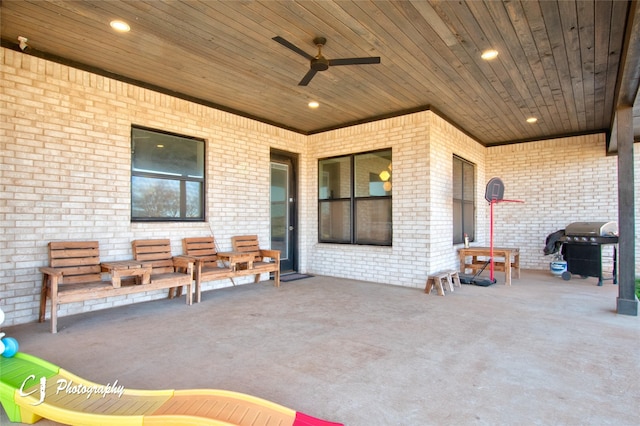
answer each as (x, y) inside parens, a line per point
(558, 61)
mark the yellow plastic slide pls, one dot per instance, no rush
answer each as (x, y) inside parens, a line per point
(31, 389)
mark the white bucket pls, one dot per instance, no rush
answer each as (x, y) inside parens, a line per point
(557, 267)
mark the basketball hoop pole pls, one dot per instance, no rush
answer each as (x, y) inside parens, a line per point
(493, 194)
(492, 202)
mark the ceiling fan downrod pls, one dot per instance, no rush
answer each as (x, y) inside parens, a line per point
(319, 63)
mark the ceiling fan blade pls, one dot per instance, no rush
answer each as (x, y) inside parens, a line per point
(307, 78)
(355, 61)
(293, 47)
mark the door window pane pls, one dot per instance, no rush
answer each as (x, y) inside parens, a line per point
(279, 208)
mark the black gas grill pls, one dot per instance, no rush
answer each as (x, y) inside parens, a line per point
(582, 248)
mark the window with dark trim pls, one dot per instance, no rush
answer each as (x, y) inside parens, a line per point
(464, 206)
(167, 176)
(354, 198)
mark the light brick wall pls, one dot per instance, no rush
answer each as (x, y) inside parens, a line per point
(65, 173)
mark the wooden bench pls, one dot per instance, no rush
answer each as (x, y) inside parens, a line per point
(166, 268)
(436, 281)
(441, 280)
(211, 265)
(248, 244)
(75, 274)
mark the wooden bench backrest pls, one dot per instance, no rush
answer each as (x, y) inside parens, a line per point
(79, 260)
(155, 252)
(247, 244)
(204, 248)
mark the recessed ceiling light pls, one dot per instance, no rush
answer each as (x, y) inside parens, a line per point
(313, 104)
(490, 54)
(532, 120)
(120, 26)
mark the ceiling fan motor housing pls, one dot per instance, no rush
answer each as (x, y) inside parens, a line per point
(319, 63)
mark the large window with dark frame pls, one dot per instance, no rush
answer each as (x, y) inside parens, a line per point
(464, 206)
(167, 176)
(354, 198)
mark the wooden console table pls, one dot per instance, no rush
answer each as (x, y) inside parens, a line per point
(504, 262)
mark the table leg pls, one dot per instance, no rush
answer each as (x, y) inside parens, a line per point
(146, 276)
(115, 279)
(507, 267)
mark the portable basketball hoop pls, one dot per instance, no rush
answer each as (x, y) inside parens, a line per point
(494, 194)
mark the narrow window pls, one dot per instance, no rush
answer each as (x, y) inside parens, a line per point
(463, 200)
(354, 193)
(167, 176)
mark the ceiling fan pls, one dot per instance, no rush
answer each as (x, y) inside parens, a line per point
(319, 62)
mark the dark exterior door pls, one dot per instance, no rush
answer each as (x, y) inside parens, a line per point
(284, 233)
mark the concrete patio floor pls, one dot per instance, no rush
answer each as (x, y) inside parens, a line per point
(541, 352)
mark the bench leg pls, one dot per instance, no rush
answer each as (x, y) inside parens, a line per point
(276, 278)
(43, 297)
(189, 296)
(197, 272)
(198, 291)
(54, 312)
(175, 292)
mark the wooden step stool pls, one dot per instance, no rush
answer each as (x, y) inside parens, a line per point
(436, 280)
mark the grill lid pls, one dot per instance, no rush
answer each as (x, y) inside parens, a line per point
(592, 229)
